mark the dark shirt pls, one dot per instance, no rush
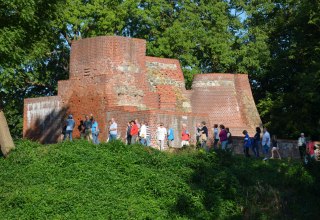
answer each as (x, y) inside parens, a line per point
(204, 130)
(274, 143)
(256, 137)
(88, 124)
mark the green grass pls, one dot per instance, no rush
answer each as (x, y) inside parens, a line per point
(79, 180)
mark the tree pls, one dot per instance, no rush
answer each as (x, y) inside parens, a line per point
(33, 57)
(288, 87)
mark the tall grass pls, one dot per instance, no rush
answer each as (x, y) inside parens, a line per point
(79, 180)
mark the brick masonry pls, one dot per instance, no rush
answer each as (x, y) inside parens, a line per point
(111, 76)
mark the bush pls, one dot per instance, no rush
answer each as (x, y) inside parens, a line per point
(79, 180)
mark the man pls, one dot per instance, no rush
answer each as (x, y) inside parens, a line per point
(185, 136)
(204, 136)
(161, 136)
(88, 126)
(113, 130)
(302, 144)
(265, 143)
(69, 127)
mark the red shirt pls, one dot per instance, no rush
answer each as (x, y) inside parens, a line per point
(310, 147)
(134, 130)
(185, 135)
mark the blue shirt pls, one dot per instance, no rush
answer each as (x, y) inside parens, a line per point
(247, 141)
(170, 134)
(70, 124)
(94, 127)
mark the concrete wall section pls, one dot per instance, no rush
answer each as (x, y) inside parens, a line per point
(43, 119)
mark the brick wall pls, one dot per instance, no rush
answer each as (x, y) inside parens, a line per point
(227, 99)
(111, 75)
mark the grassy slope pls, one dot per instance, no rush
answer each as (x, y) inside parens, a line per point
(82, 181)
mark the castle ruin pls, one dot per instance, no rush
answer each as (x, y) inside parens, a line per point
(111, 76)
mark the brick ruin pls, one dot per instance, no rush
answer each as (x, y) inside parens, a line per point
(111, 76)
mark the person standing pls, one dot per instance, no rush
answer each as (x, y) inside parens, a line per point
(170, 137)
(256, 142)
(246, 143)
(223, 137)
(95, 131)
(113, 130)
(198, 134)
(88, 126)
(215, 136)
(143, 133)
(302, 144)
(229, 140)
(129, 133)
(185, 136)
(148, 139)
(204, 136)
(81, 129)
(275, 147)
(161, 136)
(265, 143)
(69, 127)
(134, 132)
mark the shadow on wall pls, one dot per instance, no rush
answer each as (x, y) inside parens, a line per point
(47, 130)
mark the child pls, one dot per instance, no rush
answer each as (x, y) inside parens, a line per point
(275, 147)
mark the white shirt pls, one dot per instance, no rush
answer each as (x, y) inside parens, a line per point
(143, 131)
(301, 141)
(161, 133)
(115, 127)
(266, 139)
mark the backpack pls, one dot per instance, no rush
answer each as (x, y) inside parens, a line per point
(170, 134)
(230, 138)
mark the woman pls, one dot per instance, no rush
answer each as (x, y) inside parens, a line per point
(275, 147)
(95, 131)
(204, 136)
(223, 137)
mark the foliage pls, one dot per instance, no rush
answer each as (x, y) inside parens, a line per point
(291, 79)
(79, 180)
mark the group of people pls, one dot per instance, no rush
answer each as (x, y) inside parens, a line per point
(265, 142)
(308, 150)
(88, 129)
(137, 132)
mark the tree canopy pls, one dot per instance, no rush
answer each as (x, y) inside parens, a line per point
(276, 42)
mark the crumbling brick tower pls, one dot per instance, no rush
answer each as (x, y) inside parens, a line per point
(112, 77)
